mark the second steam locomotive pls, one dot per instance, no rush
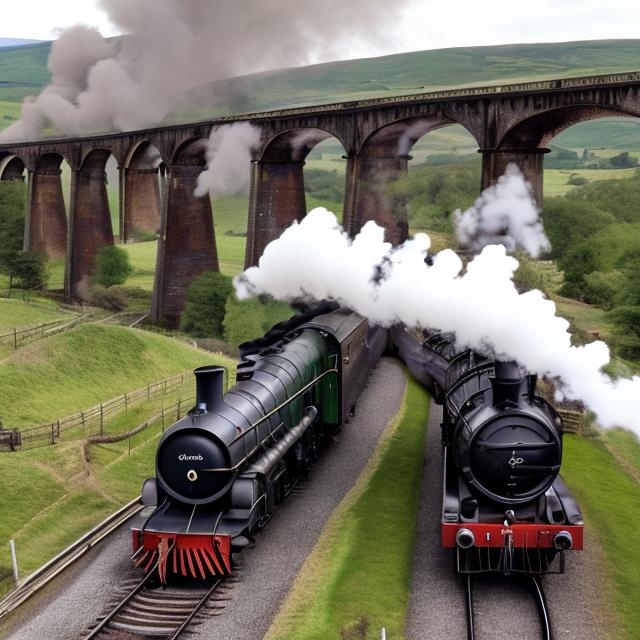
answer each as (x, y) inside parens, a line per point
(505, 507)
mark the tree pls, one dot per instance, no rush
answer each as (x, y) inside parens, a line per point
(585, 154)
(623, 161)
(29, 268)
(206, 299)
(112, 266)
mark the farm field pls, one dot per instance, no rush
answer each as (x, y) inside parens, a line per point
(555, 180)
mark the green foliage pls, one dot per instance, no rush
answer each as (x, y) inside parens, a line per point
(111, 266)
(626, 319)
(623, 161)
(249, 319)
(205, 309)
(527, 276)
(433, 193)
(28, 269)
(577, 181)
(324, 185)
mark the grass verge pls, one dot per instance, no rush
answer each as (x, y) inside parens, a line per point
(357, 578)
(610, 501)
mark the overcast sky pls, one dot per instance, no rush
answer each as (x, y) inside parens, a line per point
(430, 24)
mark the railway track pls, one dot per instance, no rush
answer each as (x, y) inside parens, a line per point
(535, 586)
(42, 576)
(147, 612)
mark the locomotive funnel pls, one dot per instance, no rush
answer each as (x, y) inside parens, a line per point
(506, 383)
(209, 387)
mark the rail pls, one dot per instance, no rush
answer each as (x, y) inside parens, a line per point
(48, 571)
(538, 596)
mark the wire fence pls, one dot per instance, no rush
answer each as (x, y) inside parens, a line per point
(93, 421)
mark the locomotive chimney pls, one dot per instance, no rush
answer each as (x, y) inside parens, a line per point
(506, 383)
(209, 387)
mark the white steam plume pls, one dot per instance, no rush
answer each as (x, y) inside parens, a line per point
(173, 46)
(228, 159)
(316, 259)
(506, 214)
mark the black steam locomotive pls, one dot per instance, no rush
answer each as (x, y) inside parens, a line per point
(505, 507)
(222, 470)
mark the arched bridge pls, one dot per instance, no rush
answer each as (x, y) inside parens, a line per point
(159, 168)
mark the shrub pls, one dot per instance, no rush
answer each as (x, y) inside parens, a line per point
(29, 268)
(113, 298)
(205, 309)
(576, 180)
(249, 319)
(111, 266)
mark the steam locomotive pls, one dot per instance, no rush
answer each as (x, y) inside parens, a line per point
(222, 470)
(505, 507)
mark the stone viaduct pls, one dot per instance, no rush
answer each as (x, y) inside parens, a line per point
(158, 170)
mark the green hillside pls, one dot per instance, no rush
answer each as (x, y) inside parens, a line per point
(93, 363)
(23, 72)
(426, 71)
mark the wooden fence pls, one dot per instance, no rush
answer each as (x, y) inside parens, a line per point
(91, 422)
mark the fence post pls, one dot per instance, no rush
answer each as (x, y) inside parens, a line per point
(58, 429)
(15, 339)
(178, 409)
(14, 561)
(125, 404)
(53, 440)
(148, 392)
(101, 419)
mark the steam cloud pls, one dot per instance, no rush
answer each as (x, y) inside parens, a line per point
(316, 259)
(228, 159)
(503, 214)
(176, 45)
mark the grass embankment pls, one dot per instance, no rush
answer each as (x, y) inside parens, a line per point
(16, 313)
(52, 495)
(610, 500)
(93, 363)
(556, 181)
(358, 575)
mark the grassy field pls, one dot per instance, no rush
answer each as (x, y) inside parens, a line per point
(75, 370)
(354, 579)
(555, 180)
(610, 500)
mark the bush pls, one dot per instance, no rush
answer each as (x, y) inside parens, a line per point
(249, 319)
(602, 287)
(627, 321)
(113, 298)
(111, 266)
(205, 308)
(527, 276)
(576, 180)
(29, 268)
